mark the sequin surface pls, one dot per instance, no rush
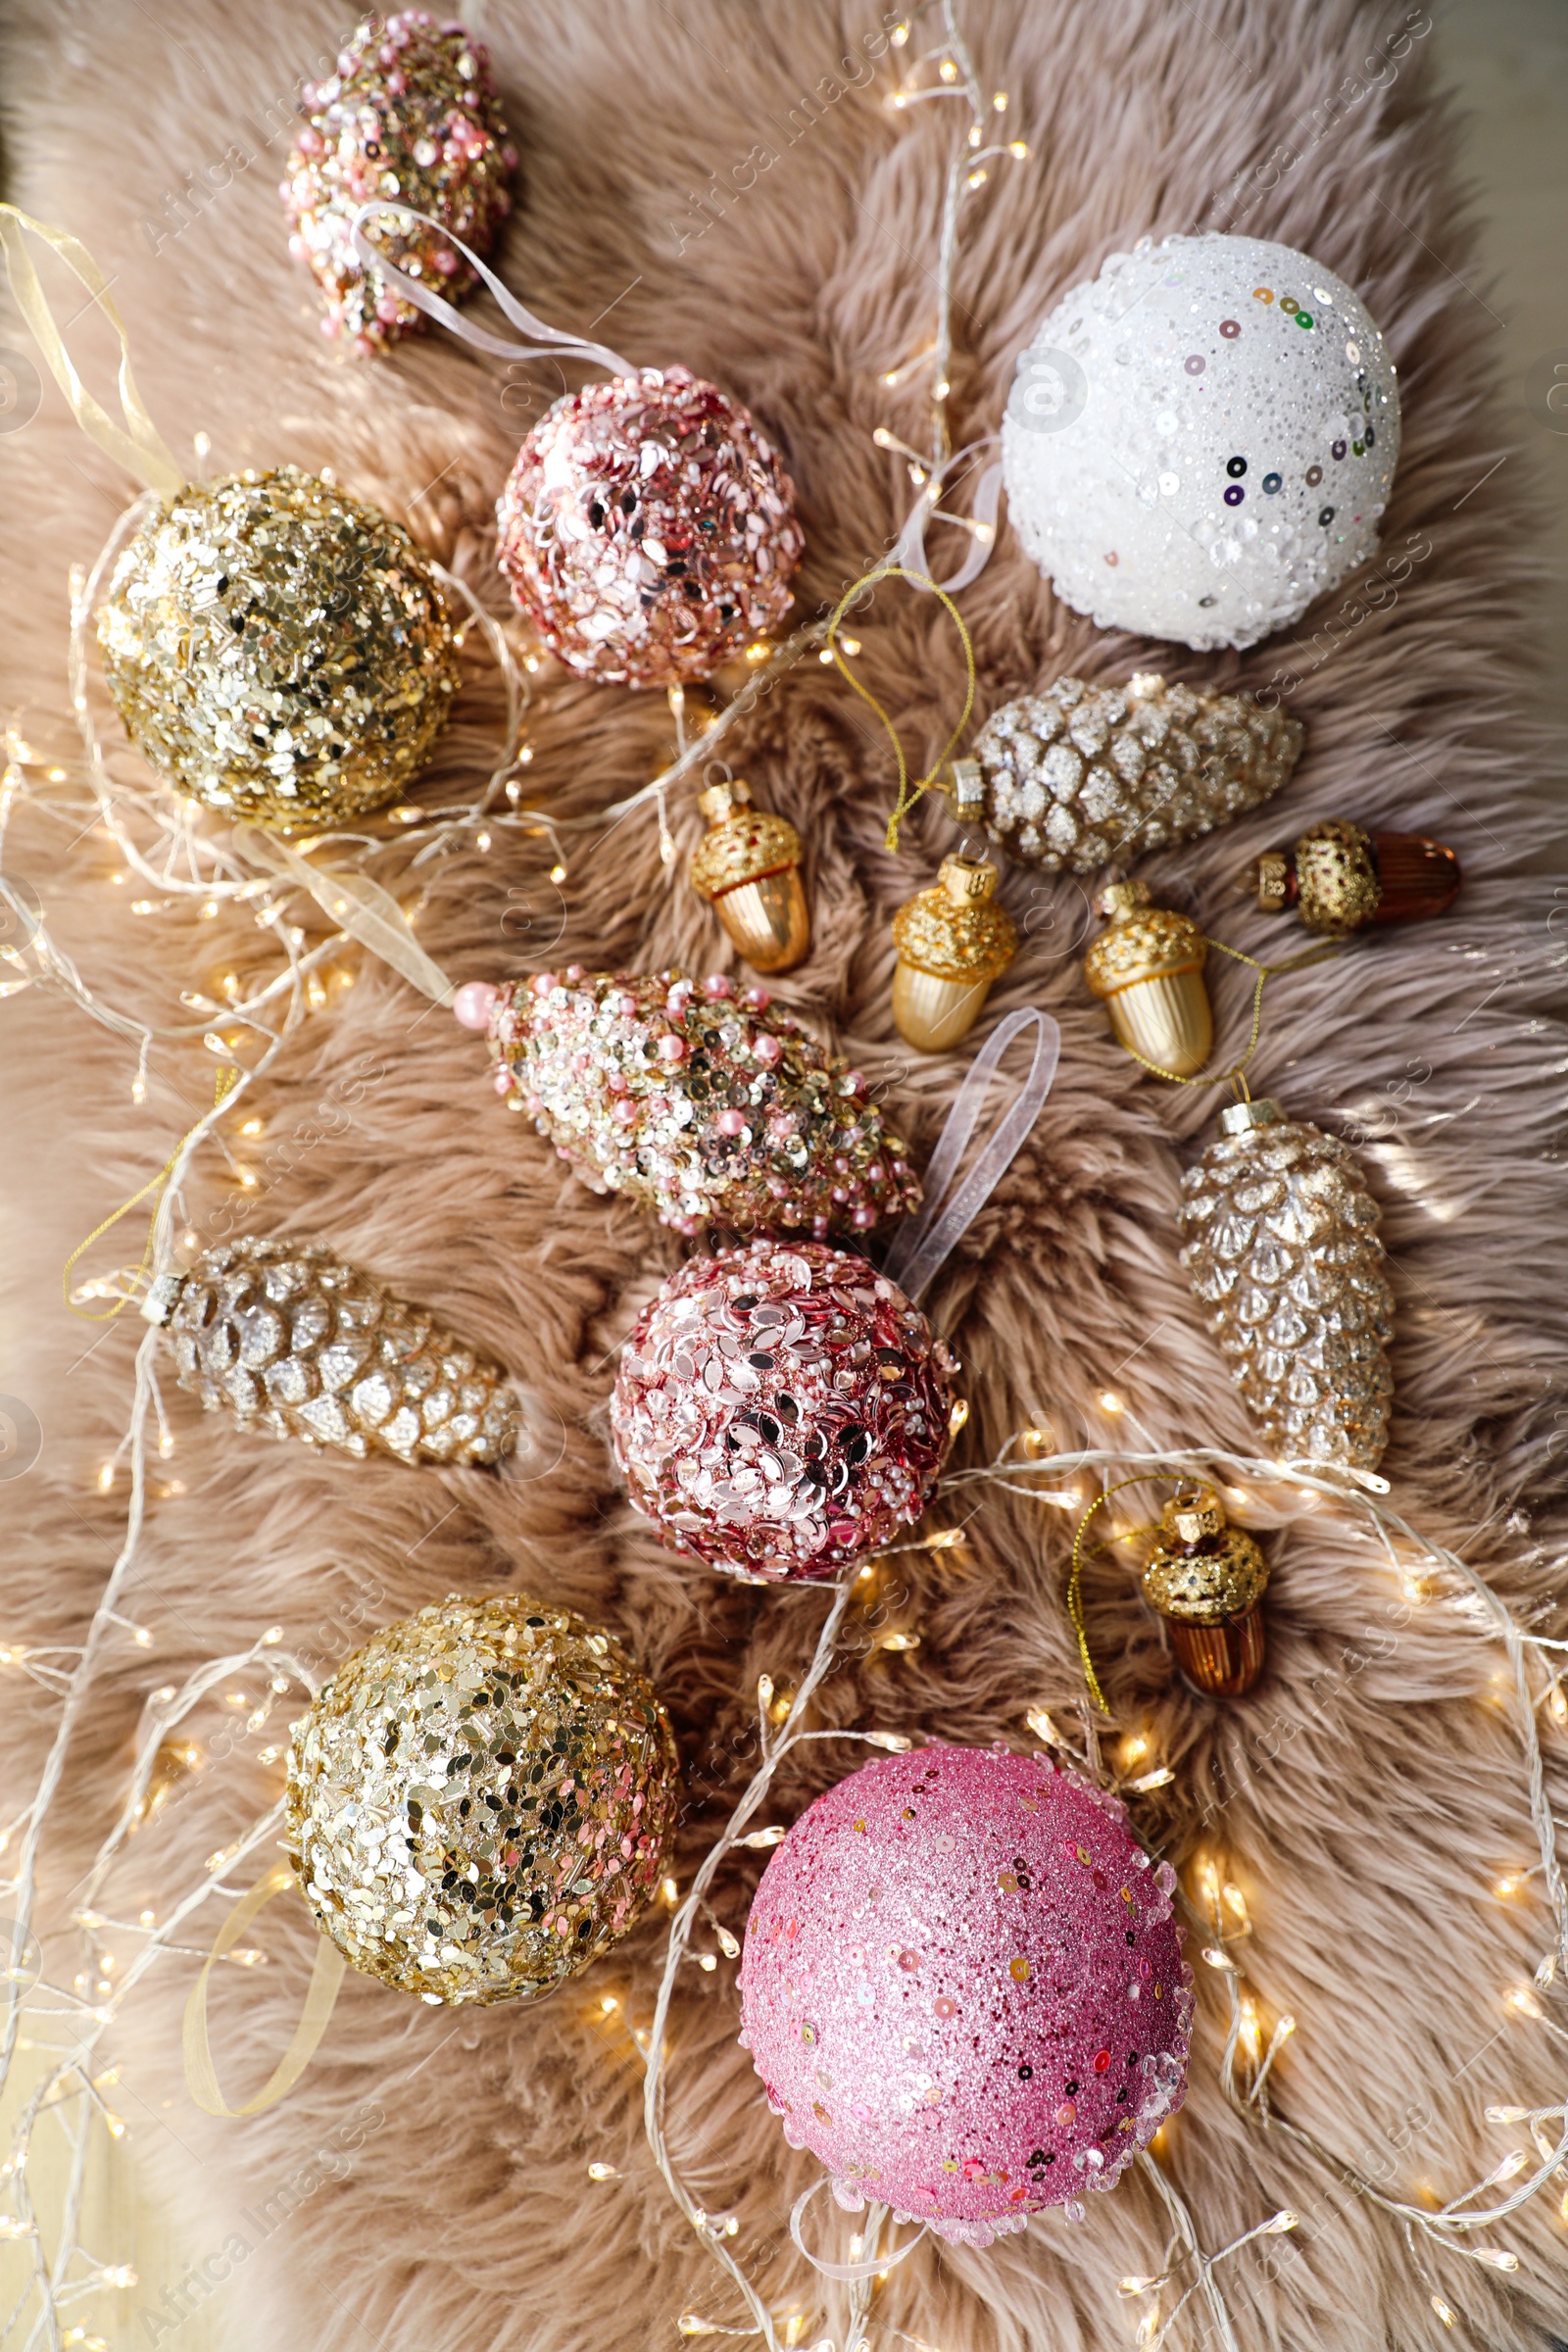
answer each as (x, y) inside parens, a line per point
(698, 1102)
(410, 115)
(1202, 440)
(963, 1990)
(647, 529)
(277, 649)
(780, 1409)
(481, 1801)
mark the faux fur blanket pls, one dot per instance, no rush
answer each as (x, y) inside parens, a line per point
(427, 2188)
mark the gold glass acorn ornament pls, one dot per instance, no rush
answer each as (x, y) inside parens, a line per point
(1339, 878)
(1282, 1251)
(748, 867)
(1147, 964)
(1207, 1578)
(952, 941)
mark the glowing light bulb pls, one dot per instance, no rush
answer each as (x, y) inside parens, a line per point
(557, 873)
(602, 2171)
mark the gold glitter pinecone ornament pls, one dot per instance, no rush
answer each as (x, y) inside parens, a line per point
(482, 1800)
(278, 649)
(1339, 879)
(1147, 965)
(294, 1344)
(748, 867)
(953, 941)
(1282, 1251)
(1077, 775)
(1207, 1578)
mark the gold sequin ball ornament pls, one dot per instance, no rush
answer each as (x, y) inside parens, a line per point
(292, 1343)
(278, 649)
(411, 114)
(701, 1104)
(952, 941)
(748, 867)
(1282, 1251)
(1340, 879)
(482, 1800)
(1079, 774)
(1206, 1579)
(1147, 965)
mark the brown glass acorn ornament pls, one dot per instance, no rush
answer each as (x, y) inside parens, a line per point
(1205, 1579)
(748, 867)
(1339, 878)
(953, 941)
(1147, 965)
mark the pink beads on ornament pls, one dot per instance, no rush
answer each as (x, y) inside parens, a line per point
(647, 529)
(963, 1989)
(780, 1409)
(410, 115)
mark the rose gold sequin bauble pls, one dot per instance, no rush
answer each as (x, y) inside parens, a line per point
(781, 1409)
(647, 529)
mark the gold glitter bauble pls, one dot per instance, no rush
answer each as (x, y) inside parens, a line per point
(277, 649)
(295, 1343)
(1282, 1251)
(482, 1799)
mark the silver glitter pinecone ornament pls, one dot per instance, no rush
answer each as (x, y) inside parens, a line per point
(278, 649)
(1079, 774)
(294, 1344)
(1283, 1253)
(482, 1800)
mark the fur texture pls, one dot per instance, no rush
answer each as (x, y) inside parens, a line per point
(1369, 1792)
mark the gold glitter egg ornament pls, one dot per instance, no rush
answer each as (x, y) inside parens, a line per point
(410, 114)
(277, 649)
(1206, 1580)
(952, 941)
(1282, 1251)
(1147, 967)
(482, 1800)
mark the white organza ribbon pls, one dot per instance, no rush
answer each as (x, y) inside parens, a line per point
(910, 548)
(847, 2271)
(553, 342)
(925, 1242)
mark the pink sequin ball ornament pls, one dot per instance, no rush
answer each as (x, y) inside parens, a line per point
(697, 1101)
(963, 1989)
(647, 529)
(779, 1409)
(411, 115)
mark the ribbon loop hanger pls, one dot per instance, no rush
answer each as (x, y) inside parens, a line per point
(553, 342)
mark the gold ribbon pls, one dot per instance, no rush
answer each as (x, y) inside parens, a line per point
(140, 448)
(201, 2076)
(908, 794)
(226, 1079)
(1075, 1580)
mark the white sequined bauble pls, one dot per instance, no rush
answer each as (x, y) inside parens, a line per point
(1202, 440)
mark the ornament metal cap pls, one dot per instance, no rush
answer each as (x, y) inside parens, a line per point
(748, 867)
(1339, 878)
(1147, 964)
(1260, 1111)
(953, 941)
(1206, 1580)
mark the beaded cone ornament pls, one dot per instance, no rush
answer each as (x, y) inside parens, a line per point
(780, 1409)
(698, 1103)
(294, 1344)
(647, 529)
(1283, 1254)
(1079, 774)
(278, 649)
(410, 115)
(963, 1989)
(482, 1800)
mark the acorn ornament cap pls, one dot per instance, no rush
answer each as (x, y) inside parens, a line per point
(294, 1344)
(1147, 965)
(1079, 774)
(1206, 1579)
(952, 941)
(1338, 878)
(1282, 1251)
(748, 867)
(699, 1103)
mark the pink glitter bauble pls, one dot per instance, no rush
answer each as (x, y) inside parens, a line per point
(963, 1989)
(647, 529)
(780, 1409)
(698, 1103)
(410, 115)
